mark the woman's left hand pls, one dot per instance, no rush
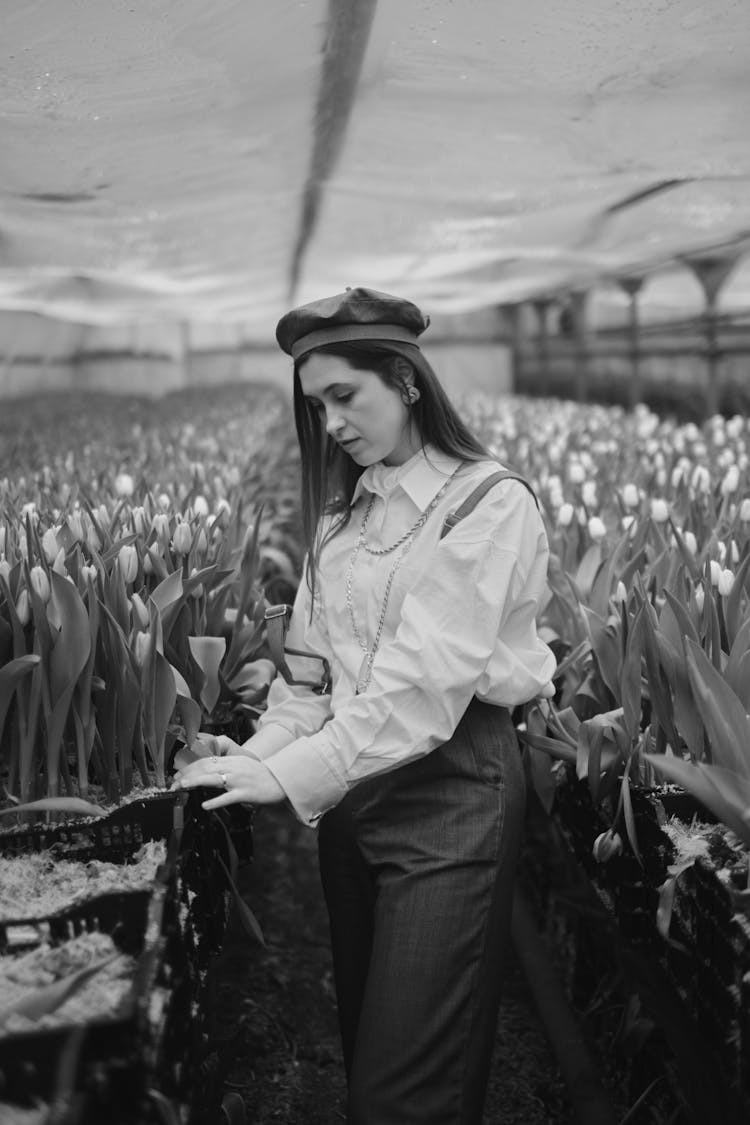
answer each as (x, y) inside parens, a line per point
(243, 779)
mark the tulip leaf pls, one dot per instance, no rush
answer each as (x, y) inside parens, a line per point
(723, 715)
(627, 811)
(734, 599)
(208, 653)
(552, 746)
(630, 677)
(711, 787)
(606, 648)
(10, 674)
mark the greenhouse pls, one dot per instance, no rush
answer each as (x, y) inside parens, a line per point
(375, 562)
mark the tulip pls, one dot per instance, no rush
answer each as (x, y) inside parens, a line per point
(160, 524)
(182, 539)
(597, 530)
(128, 559)
(233, 476)
(75, 526)
(745, 510)
(201, 507)
(40, 583)
(659, 511)
(88, 573)
(4, 568)
(621, 594)
(141, 646)
(726, 582)
(139, 611)
(30, 511)
(690, 542)
(3, 534)
(124, 484)
(50, 545)
(565, 515)
(140, 521)
(576, 473)
(628, 522)
(223, 512)
(715, 569)
(701, 479)
(588, 493)
(700, 597)
(164, 501)
(201, 542)
(93, 542)
(731, 481)
(197, 591)
(606, 845)
(23, 607)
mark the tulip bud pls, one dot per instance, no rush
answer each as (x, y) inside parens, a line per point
(628, 522)
(731, 481)
(715, 569)
(2, 539)
(4, 568)
(588, 493)
(58, 564)
(223, 512)
(197, 591)
(621, 594)
(160, 524)
(141, 644)
(139, 611)
(30, 511)
(164, 501)
(124, 484)
(606, 845)
(200, 506)
(565, 515)
(128, 559)
(576, 472)
(701, 479)
(23, 607)
(700, 597)
(690, 542)
(88, 572)
(93, 542)
(75, 526)
(726, 581)
(201, 542)
(182, 539)
(140, 521)
(40, 583)
(745, 510)
(23, 546)
(659, 511)
(233, 476)
(50, 545)
(102, 515)
(597, 530)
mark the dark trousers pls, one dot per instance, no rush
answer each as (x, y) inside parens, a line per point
(417, 868)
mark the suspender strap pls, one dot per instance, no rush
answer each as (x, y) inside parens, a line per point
(277, 623)
(479, 492)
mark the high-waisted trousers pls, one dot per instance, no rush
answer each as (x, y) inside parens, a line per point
(418, 867)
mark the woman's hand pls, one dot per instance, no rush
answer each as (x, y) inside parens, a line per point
(243, 779)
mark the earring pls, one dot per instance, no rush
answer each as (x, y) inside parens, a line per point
(413, 394)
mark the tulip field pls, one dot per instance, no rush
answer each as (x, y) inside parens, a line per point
(141, 541)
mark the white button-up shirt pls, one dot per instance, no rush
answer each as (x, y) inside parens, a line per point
(460, 622)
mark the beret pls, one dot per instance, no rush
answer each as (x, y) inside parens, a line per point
(356, 314)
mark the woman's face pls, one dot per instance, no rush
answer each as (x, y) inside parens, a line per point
(369, 419)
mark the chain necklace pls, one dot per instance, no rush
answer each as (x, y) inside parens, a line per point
(404, 542)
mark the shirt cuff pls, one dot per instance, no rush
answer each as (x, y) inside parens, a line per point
(307, 779)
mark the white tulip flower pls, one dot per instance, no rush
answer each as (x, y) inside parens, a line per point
(745, 510)
(124, 484)
(700, 481)
(588, 493)
(715, 569)
(659, 510)
(700, 597)
(565, 515)
(731, 481)
(49, 544)
(201, 507)
(726, 581)
(630, 496)
(576, 473)
(597, 530)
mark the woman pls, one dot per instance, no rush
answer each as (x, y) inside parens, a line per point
(409, 766)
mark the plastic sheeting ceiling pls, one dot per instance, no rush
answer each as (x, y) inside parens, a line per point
(214, 160)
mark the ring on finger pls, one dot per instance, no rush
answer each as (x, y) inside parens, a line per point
(223, 777)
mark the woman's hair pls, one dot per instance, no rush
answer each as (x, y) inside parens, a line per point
(329, 474)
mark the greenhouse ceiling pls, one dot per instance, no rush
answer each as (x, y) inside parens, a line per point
(215, 160)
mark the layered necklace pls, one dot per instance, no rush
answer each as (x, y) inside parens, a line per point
(401, 545)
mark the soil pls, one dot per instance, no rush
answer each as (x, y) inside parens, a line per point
(275, 1009)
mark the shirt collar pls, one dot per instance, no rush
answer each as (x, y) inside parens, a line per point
(421, 477)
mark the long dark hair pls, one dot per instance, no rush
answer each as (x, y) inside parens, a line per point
(329, 474)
